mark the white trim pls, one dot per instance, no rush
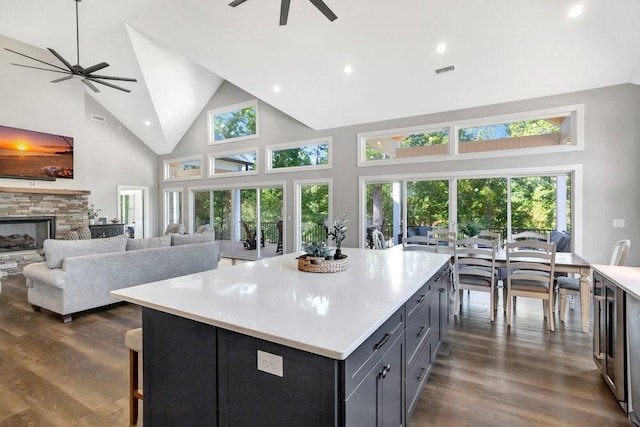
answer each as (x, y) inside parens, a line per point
(211, 157)
(165, 209)
(165, 168)
(211, 140)
(297, 205)
(577, 129)
(145, 207)
(269, 149)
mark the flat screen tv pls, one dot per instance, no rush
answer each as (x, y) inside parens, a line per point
(28, 154)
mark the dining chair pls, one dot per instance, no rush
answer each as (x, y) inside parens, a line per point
(530, 235)
(571, 285)
(378, 240)
(530, 267)
(420, 243)
(496, 237)
(475, 269)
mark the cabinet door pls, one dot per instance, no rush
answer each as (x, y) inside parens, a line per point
(391, 379)
(362, 407)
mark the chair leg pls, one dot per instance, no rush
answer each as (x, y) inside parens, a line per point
(562, 303)
(550, 313)
(509, 309)
(133, 386)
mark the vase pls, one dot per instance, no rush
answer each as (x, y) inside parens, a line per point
(92, 221)
(337, 254)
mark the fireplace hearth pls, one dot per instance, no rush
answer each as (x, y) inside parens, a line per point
(25, 233)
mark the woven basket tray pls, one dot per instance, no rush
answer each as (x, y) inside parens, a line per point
(325, 266)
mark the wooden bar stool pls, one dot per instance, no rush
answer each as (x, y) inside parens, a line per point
(133, 340)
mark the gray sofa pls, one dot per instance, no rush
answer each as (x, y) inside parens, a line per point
(78, 275)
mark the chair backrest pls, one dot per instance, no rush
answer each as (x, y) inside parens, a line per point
(496, 237)
(420, 243)
(530, 235)
(620, 252)
(531, 260)
(475, 258)
(442, 234)
(378, 240)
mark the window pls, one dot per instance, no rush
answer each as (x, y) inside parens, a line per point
(183, 169)
(312, 154)
(233, 123)
(404, 144)
(544, 131)
(313, 207)
(244, 162)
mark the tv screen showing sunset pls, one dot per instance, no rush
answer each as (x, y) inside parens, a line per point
(30, 154)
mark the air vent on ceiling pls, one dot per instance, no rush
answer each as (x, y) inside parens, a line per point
(445, 69)
(98, 118)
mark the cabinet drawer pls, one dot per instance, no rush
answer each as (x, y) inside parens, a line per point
(419, 330)
(417, 302)
(364, 357)
(417, 375)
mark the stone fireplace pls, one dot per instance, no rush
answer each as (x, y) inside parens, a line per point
(37, 212)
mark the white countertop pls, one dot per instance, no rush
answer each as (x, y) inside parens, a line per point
(627, 278)
(329, 314)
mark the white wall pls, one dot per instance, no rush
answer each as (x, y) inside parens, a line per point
(611, 174)
(105, 154)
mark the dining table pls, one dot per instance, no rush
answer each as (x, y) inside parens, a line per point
(570, 263)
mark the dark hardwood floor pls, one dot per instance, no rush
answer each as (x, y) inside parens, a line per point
(76, 374)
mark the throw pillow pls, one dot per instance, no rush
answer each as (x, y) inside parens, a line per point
(57, 250)
(84, 233)
(174, 228)
(151, 242)
(71, 235)
(188, 239)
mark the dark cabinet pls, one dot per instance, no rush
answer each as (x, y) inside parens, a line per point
(101, 231)
(377, 400)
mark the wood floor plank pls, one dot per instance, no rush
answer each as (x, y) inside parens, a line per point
(487, 374)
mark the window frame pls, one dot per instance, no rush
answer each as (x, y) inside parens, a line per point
(229, 108)
(269, 149)
(576, 112)
(211, 157)
(167, 167)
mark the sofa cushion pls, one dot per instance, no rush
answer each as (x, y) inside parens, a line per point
(188, 239)
(150, 242)
(57, 250)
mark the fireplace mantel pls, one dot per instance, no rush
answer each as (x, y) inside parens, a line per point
(55, 191)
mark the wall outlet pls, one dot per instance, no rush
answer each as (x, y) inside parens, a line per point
(618, 223)
(270, 363)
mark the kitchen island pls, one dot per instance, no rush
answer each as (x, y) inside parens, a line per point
(263, 343)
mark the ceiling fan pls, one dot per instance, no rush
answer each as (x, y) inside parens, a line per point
(86, 74)
(284, 9)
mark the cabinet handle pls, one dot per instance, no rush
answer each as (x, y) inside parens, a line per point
(421, 299)
(422, 372)
(382, 342)
(385, 371)
(422, 329)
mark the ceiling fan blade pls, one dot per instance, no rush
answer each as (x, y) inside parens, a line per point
(107, 84)
(322, 7)
(43, 69)
(90, 85)
(61, 79)
(35, 59)
(64, 61)
(284, 11)
(96, 67)
(121, 79)
(235, 3)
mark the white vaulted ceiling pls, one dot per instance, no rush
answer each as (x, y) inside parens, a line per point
(180, 52)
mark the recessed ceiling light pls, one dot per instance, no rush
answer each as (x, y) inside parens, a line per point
(348, 69)
(147, 123)
(276, 89)
(575, 11)
(441, 48)
(169, 112)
